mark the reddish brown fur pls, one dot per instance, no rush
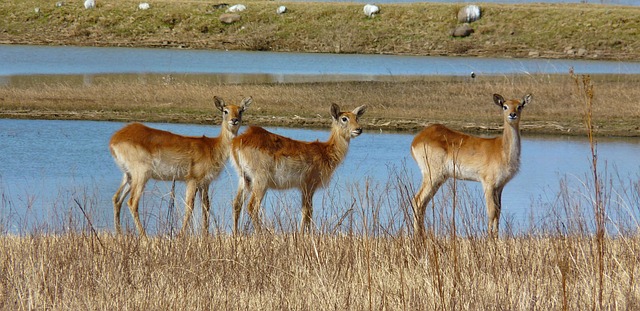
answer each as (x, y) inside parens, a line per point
(265, 160)
(442, 153)
(145, 153)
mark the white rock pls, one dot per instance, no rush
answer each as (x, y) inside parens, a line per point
(89, 4)
(237, 8)
(469, 14)
(281, 9)
(371, 10)
(144, 6)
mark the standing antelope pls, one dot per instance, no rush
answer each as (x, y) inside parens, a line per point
(265, 160)
(442, 153)
(143, 153)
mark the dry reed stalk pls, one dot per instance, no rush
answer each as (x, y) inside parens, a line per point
(584, 88)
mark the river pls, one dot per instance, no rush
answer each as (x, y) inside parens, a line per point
(21, 63)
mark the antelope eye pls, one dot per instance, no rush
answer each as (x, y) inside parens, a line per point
(504, 107)
(225, 111)
(345, 119)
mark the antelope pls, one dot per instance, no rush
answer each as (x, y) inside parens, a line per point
(144, 153)
(442, 153)
(264, 160)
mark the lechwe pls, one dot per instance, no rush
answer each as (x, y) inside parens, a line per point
(144, 153)
(264, 160)
(442, 153)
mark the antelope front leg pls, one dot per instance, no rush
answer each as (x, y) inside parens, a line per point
(190, 198)
(206, 208)
(307, 211)
(493, 198)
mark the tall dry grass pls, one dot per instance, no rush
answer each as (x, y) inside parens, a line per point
(362, 257)
(81, 270)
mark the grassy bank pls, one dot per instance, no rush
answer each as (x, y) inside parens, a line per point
(523, 30)
(393, 106)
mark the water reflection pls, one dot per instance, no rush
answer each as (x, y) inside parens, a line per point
(49, 167)
(208, 79)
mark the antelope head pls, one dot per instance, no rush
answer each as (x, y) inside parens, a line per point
(347, 122)
(231, 114)
(511, 108)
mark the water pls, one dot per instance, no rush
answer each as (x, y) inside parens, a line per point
(50, 169)
(241, 67)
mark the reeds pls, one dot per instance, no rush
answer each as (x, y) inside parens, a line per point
(360, 258)
(288, 271)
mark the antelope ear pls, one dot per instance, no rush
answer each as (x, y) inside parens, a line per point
(335, 111)
(246, 103)
(526, 99)
(219, 103)
(498, 99)
(360, 111)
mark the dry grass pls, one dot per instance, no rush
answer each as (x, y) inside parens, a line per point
(289, 272)
(393, 106)
(547, 30)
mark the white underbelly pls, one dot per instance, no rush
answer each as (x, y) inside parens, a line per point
(166, 170)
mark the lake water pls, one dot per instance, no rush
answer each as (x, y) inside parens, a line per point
(19, 62)
(53, 172)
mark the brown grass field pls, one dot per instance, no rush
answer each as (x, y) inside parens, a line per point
(291, 272)
(581, 254)
(393, 106)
